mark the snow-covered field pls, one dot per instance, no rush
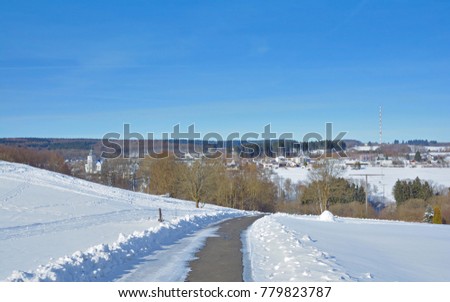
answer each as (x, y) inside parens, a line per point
(438, 176)
(56, 227)
(323, 248)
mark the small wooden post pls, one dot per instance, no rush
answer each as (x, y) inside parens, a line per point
(160, 216)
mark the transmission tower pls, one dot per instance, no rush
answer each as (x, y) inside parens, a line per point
(381, 125)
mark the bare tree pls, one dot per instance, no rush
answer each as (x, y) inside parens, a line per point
(163, 174)
(288, 189)
(321, 177)
(195, 178)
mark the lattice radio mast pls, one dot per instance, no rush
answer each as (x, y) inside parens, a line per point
(381, 125)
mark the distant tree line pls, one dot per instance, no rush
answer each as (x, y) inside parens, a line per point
(50, 143)
(416, 142)
(79, 145)
(287, 148)
(43, 159)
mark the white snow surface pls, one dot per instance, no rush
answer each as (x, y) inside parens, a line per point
(283, 247)
(274, 253)
(55, 227)
(438, 176)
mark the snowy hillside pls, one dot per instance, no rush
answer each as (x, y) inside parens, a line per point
(323, 248)
(45, 216)
(438, 176)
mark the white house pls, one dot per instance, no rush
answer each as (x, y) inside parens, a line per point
(98, 167)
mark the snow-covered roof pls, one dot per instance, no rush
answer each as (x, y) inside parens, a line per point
(366, 148)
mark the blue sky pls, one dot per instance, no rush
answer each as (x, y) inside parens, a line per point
(84, 68)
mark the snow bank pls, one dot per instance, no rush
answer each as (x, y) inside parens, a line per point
(103, 261)
(273, 253)
(327, 216)
(284, 247)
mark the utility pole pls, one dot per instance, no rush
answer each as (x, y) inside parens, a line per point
(367, 186)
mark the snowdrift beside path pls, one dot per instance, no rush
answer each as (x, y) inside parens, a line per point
(106, 262)
(284, 247)
(272, 252)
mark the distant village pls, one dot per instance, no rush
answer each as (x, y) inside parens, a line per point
(357, 158)
(360, 156)
(124, 172)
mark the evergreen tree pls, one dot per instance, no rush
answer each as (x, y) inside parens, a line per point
(361, 195)
(418, 157)
(397, 192)
(415, 188)
(429, 214)
(401, 191)
(426, 191)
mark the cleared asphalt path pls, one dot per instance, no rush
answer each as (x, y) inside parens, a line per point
(221, 258)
